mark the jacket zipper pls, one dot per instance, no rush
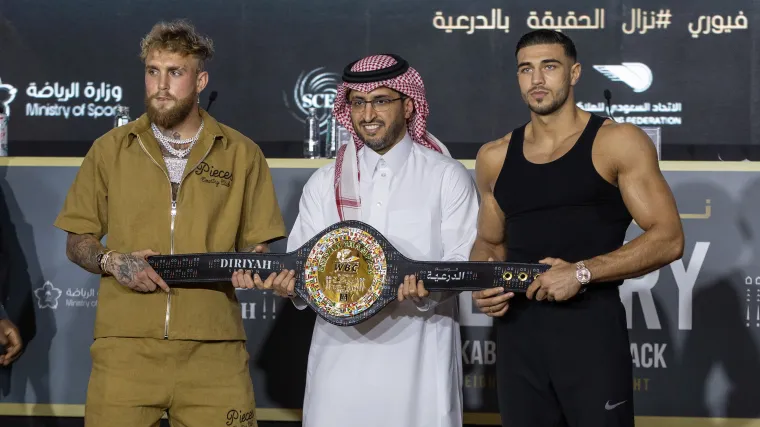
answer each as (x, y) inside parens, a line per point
(173, 214)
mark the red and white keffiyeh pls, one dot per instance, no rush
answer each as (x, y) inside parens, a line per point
(347, 159)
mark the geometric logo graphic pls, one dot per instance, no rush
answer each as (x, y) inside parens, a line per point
(635, 74)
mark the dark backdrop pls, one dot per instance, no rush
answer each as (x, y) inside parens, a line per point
(662, 64)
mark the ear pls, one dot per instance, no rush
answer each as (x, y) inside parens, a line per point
(575, 73)
(408, 108)
(201, 81)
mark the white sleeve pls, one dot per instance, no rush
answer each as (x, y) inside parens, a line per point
(310, 219)
(459, 219)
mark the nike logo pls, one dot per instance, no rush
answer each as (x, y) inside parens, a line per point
(609, 407)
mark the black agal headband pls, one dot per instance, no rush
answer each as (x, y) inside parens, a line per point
(395, 70)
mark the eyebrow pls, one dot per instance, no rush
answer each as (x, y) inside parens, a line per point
(364, 99)
(172, 68)
(545, 61)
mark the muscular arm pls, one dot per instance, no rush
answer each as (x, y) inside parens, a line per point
(83, 250)
(652, 205)
(490, 241)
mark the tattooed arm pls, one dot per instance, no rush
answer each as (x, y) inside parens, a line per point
(131, 270)
(83, 250)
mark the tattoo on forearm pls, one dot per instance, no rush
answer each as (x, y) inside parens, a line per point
(83, 250)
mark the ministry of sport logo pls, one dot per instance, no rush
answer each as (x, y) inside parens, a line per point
(47, 295)
(316, 88)
(7, 95)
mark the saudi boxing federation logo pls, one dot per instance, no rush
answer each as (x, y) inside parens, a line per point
(316, 88)
(635, 74)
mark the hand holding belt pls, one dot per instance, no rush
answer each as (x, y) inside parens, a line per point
(348, 271)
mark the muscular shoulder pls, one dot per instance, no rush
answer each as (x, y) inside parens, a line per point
(624, 142)
(491, 156)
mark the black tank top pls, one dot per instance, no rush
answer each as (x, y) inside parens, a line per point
(561, 209)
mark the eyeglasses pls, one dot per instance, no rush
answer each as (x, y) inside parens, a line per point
(380, 104)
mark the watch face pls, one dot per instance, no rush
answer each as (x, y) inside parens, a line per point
(583, 275)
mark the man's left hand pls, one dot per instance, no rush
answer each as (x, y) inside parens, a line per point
(11, 340)
(556, 284)
(412, 289)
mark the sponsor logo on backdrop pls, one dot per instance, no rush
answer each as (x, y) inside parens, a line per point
(752, 301)
(48, 296)
(638, 78)
(635, 74)
(82, 297)
(75, 99)
(7, 95)
(316, 88)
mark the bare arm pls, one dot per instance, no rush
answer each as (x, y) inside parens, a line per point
(653, 207)
(491, 237)
(83, 250)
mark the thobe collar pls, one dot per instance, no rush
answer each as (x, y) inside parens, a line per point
(394, 158)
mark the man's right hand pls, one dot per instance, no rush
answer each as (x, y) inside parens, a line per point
(133, 271)
(10, 338)
(492, 302)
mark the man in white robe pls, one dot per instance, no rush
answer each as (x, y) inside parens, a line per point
(403, 366)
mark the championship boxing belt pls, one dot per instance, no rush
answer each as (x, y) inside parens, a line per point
(347, 272)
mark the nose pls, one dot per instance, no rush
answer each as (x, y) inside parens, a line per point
(537, 78)
(163, 82)
(369, 112)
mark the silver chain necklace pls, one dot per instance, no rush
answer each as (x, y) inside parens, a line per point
(168, 141)
(175, 165)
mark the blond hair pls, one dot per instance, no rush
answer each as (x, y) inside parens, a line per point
(179, 37)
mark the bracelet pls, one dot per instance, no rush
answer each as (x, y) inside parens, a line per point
(104, 261)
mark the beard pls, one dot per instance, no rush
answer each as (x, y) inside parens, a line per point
(544, 108)
(379, 143)
(169, 118)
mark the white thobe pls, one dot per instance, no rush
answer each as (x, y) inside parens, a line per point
(403, 366)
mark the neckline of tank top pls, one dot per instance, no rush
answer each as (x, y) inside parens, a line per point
(586, 129)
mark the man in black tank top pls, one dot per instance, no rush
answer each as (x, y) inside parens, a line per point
(562, 190)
